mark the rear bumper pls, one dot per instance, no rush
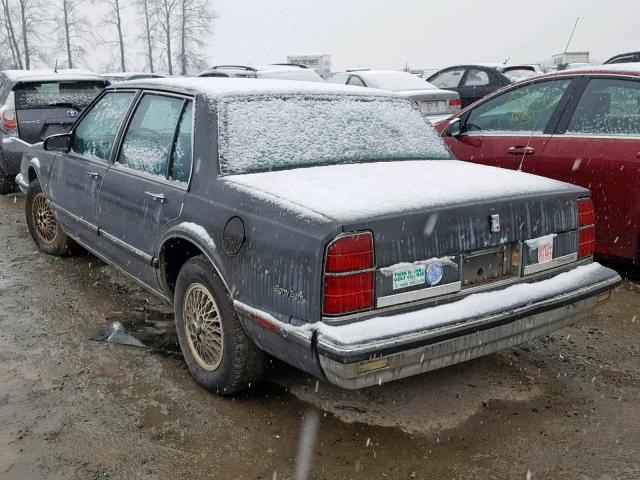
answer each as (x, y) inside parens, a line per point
(381, 349)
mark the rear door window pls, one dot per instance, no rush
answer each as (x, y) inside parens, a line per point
(147, 144)
(41, 95)
(525, 109)
(448, 78)
(476, 78)
(96, 132)
(608, 107)
(182, 155)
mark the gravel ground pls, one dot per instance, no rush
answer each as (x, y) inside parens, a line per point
(566, 406)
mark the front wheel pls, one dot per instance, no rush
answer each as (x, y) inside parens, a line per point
(44, 228)
(7, 185)
(217, 350)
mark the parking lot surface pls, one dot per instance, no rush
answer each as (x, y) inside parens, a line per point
(566, 406)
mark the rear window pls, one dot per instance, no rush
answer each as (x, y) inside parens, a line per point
(263, 133)
(73, 94)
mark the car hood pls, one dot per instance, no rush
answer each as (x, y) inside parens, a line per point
(360, 192)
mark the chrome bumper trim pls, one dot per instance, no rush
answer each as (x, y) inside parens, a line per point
(556, 262)
(421, 294)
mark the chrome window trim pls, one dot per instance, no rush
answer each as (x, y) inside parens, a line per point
(595, 136)
(414, 295)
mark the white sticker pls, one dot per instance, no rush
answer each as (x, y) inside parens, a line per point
(409, 277)
(545, 252)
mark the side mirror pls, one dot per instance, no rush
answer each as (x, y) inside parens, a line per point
(454, 129)
(58, 143)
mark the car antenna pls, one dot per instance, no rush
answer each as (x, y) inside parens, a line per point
(55, 68)
(555, 76)
(507, 60)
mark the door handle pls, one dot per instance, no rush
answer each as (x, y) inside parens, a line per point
(158, 197)
(93, 175)
(638, 155)
(521, 150)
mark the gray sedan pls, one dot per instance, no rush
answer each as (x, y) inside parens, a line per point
(433, 101)
(325, 225)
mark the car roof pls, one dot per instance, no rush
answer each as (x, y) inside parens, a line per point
(373, 73)
(131, 74)
(257, 68)
(620, 68)
(50, 75)
(216, 87)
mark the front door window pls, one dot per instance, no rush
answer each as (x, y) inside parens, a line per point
(96, 132)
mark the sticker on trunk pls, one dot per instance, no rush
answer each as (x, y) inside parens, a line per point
(409, 277)
(545, 252)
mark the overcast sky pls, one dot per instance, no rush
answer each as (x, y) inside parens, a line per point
(422, 33)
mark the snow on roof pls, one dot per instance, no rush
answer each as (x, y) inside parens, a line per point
(614, 68)
(344, 192)
(215, 87)
(62, 74)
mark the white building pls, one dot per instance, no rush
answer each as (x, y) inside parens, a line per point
(319, 63)
(570, 57)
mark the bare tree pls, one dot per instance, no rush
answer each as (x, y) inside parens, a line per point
(196, 27)
(73, 25)
(31, 21)
(113, 18)
(165, 12)
(10, 33)
(149, 30)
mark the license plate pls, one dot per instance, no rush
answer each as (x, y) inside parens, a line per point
(409, 277)
(434, 106)
(545, 252)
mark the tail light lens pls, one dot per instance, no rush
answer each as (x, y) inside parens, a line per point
(8, 119)
(587, 231)
(455, 102)
(349, 276)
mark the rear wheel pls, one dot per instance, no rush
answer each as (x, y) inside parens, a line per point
(44, 228)
(217, 350)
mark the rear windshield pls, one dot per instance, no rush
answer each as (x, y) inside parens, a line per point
(72, 94)
(263, 133)
(396, 81)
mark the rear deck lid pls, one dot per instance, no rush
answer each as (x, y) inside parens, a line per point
(48, 107)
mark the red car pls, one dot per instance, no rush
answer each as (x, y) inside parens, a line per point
(578, 126)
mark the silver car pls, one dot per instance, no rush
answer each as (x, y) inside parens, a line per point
(433, 101)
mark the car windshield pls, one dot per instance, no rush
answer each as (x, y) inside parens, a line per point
(261, 133)
(56, 94)
(396, 81)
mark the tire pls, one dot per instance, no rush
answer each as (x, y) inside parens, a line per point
(240, 363)
(44, 229)
(7, 185)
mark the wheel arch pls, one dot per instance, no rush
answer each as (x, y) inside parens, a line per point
(174, 252)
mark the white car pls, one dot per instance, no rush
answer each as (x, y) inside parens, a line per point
(433, 101)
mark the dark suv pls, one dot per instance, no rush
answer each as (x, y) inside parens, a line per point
(35, 104)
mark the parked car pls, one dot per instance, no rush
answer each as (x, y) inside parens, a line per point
(578, 126)
(333, 231)
(631, 57)
(473, 82)
(432, 101)
(124, 76)
(281, 71)
(35, 104)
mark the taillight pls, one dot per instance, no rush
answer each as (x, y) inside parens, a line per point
(455, 102)
(586, 232)
(349, 276)
(8, 119)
